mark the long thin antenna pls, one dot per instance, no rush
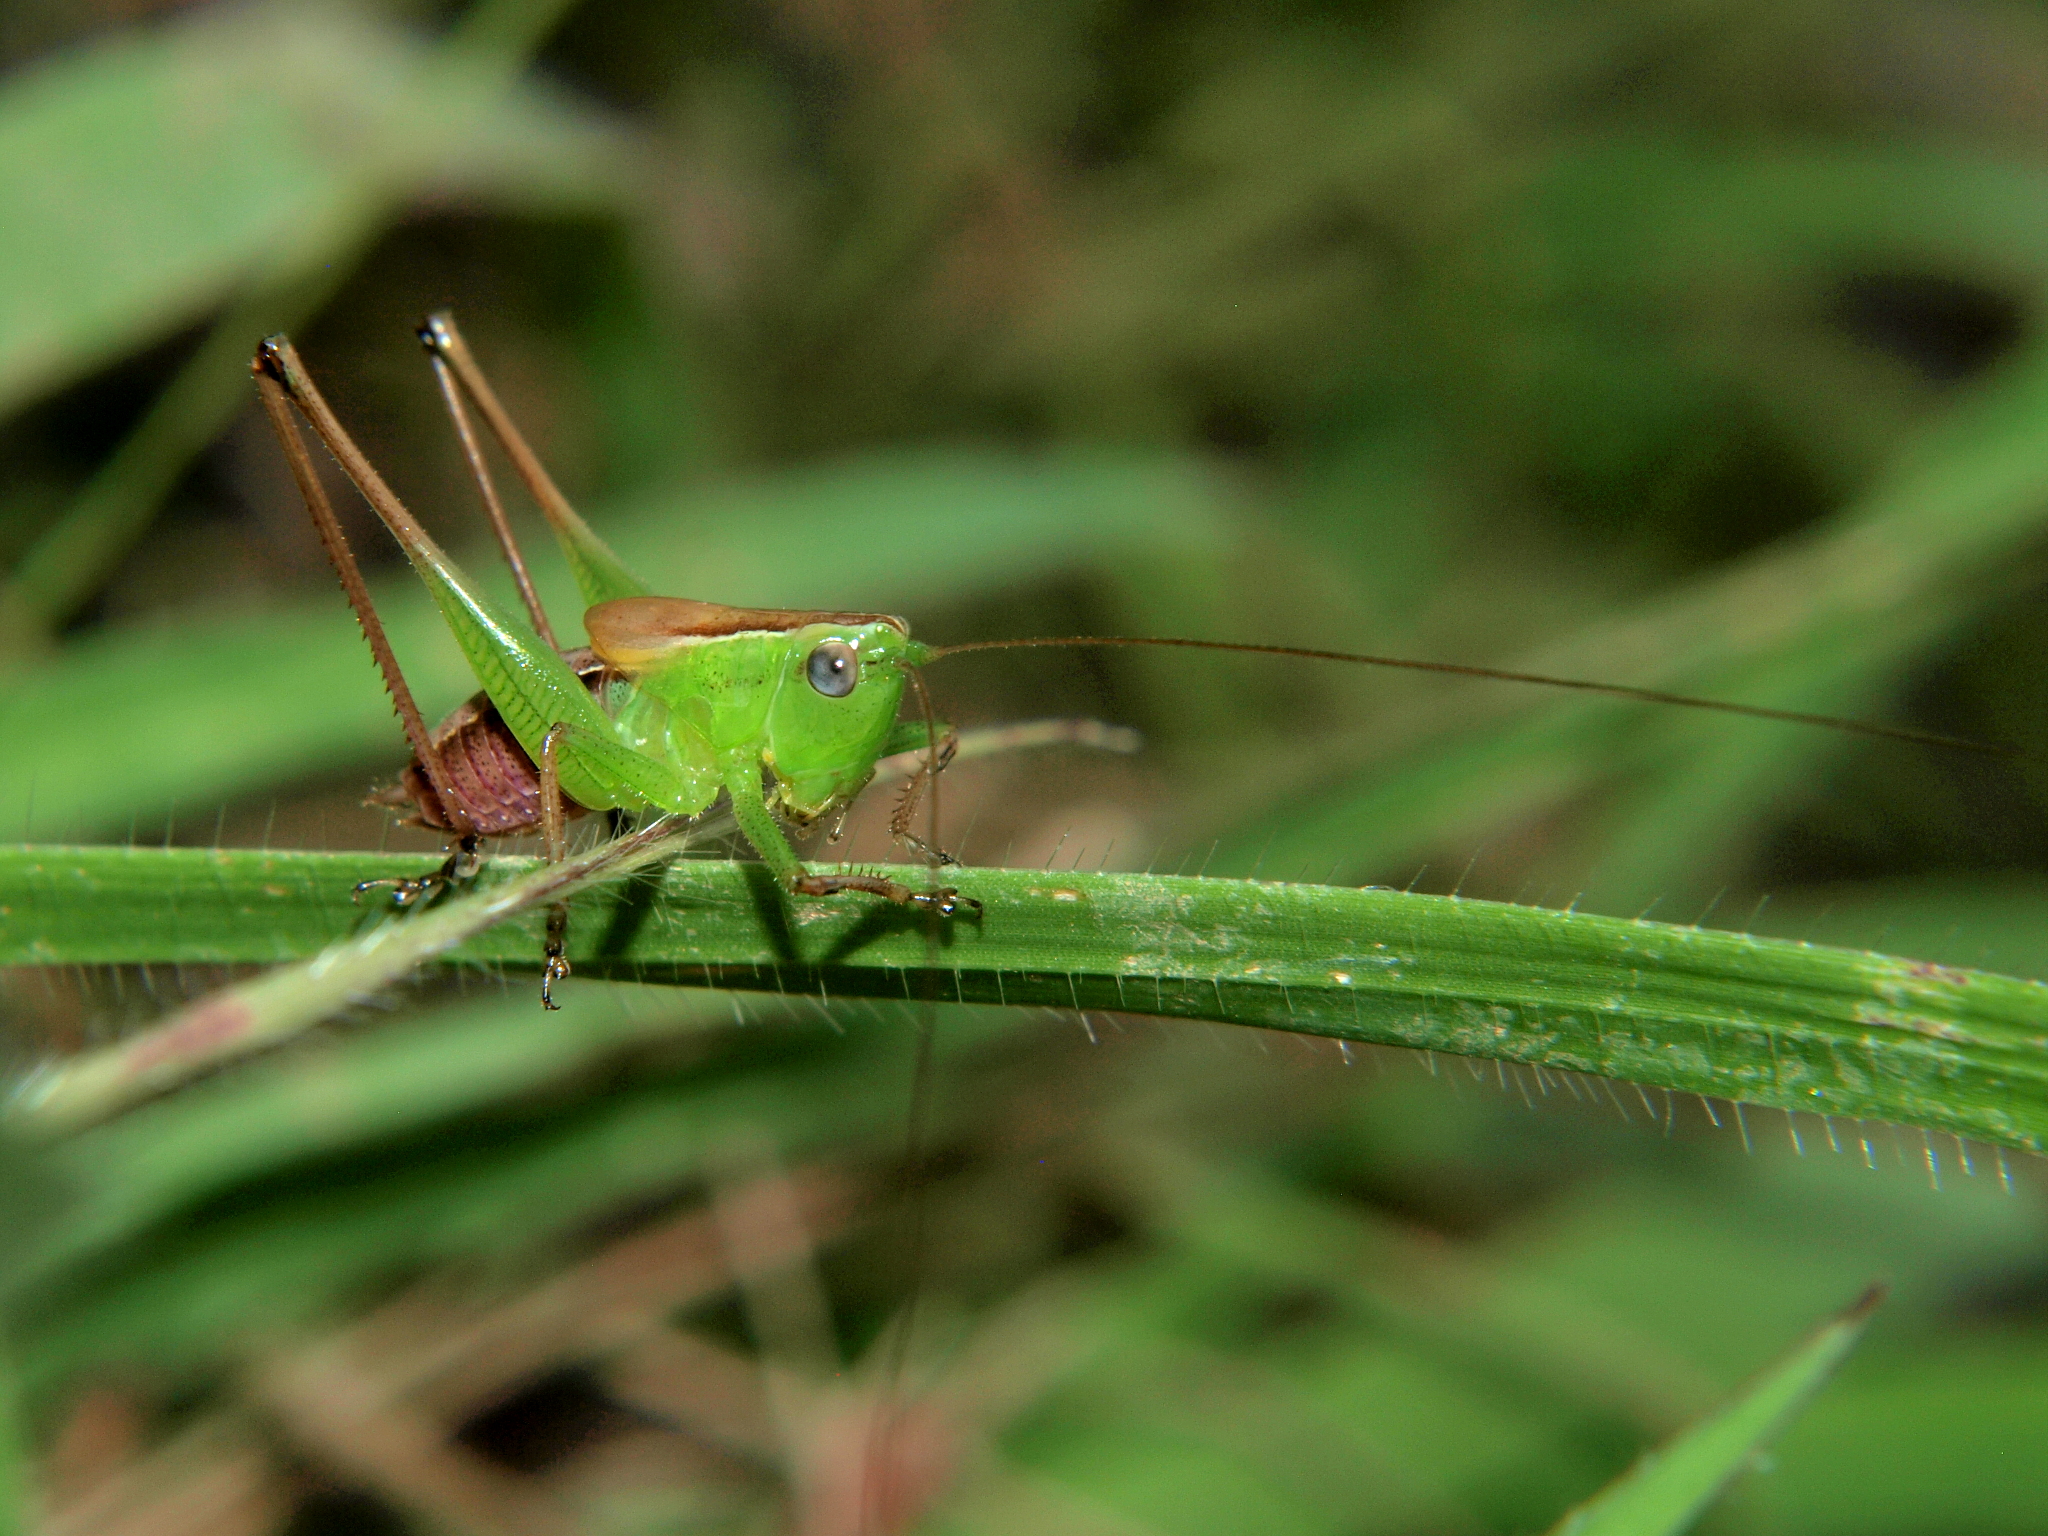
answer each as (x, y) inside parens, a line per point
(1500, 675)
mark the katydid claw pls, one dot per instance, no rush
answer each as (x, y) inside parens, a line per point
(552, 970)
(554, 963)
(462, 863)
(404, 893)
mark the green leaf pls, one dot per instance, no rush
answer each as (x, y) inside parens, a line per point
(1919, 1441)
(145, 177)
(1796, 1026)
(451, 119)
(1666, 1491)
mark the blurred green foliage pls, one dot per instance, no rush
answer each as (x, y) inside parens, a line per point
(1688, 343)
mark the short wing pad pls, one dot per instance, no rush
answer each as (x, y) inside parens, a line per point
(634, 634)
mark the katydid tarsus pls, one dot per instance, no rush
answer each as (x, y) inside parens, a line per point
(677, 702)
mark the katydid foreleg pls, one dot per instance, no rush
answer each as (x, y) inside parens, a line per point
(487, 491)
(915, 788)
(759, 826)
(935, 746)
(599, 575)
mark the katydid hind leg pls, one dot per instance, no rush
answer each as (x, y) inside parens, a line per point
(463, 857)
(527, 679)
(487, 492)
(277, 406)
(600, 575)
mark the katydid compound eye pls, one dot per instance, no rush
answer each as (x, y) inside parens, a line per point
(833, 669)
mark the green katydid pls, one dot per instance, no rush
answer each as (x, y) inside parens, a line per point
(675, 701)
(678, 701)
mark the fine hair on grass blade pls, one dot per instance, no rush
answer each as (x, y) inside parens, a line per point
(1670, 1487)
(273, 1008)
(1799, 1027)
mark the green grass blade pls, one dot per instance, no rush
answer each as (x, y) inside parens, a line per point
(292, 999)
(1666, 1491)
(1799, 1027)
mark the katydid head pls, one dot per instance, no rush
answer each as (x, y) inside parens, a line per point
(815, 694)
(834, 709)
